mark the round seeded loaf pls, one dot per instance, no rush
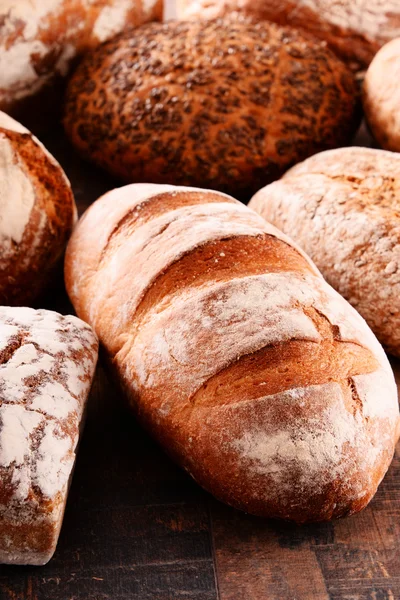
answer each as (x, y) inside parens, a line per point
(381, 96)
(343, 208)
(37, 214)
(249, 369)
(225, 104)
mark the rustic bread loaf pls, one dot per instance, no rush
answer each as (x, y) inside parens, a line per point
(47, 363)
(37, 213)
(224, 104)
(39, 38)
(254, 374)
(343, 208)
(353, 30)
(381, 96)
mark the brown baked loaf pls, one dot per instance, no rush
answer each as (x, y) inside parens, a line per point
(37, 214)
(353, 30)
(254, 374)
(224, 104)
(343, 208)
(47, 363)
(39, 38)
(381, 96)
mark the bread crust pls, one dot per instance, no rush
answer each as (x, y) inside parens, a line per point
(39, 39)
(253, 374)
(38, 213)
(47, 362)
(342, 207)
(226, 104)
(381, 96)
(354, 30)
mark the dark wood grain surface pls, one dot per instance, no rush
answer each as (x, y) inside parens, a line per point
(138, 528)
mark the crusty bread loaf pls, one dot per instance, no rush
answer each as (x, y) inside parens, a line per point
(343, 208)
(381, 96)
(354, 30)
(47, 362)
(39, 38)
(225, 104)
(253, 373)
(37, 213)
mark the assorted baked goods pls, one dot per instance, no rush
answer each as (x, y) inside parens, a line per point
(381, 96)
(40, 38)
(353, 30)
(37, 214)
(47, 362)
(343, 207)
(225, 104)
(250, 370)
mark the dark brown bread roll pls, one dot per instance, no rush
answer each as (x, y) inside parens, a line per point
(37, 214)
(250, 370)
(227, 105)
(355, 30)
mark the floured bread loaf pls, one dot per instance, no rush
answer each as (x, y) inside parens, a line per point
(47, 362)
(250, 370)
(40, 38)
(37, 213)
(343, 208)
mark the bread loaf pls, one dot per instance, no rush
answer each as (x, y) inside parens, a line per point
(381, 96)
(258, 378)
(47, 363)
(225, 104)
(343, 208)
(39, 38)
(36, 217)
(353, 30)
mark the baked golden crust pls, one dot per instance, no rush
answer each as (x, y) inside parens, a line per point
(233, 351)
(39, 39)
(227, 105)
(37, 214)
(381, 96)
(342, 207)
(353, 29)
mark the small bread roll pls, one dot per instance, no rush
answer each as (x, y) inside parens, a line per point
(37, 213)
(224, 104)
(342, 207)
(381, 96)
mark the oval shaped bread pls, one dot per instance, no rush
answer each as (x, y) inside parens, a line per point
(224, 104)
(343, 208)
(253, 373)
(353, 30)
(39, 38)
(381, 96)
(37, 214)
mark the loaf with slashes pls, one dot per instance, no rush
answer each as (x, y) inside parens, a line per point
(250, 370)
(47, 362)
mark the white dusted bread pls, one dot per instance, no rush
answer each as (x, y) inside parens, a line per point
(47, 362)
(249, 369)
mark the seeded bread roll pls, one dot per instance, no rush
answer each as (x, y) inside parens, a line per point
(47, 362)
(40, 38)
(37, 214)
(343, 208)
(253, 373)
(353, 30)
(381, 97)
(224, 104)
